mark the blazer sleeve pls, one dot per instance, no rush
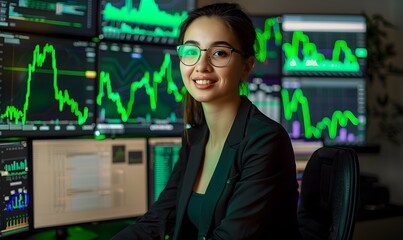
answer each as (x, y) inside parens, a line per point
(159, 220)
(264, 199)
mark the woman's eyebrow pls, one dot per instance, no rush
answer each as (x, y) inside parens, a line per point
(192, 42)
(217, 43)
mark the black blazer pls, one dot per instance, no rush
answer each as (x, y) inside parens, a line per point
(252, 193)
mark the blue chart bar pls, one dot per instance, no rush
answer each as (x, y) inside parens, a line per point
(17, 201)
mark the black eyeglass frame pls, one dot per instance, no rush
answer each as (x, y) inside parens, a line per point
(232, 49)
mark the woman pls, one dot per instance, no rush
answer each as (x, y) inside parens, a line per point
(235, 178)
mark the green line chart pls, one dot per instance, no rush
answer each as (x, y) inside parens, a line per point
(316, 61)
(148, 20)
(270, 32)
(299, 103)
(267, 46)
(62, 96)
(334, 53)
(149, 83)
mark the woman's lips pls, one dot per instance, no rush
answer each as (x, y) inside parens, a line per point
(204, 83)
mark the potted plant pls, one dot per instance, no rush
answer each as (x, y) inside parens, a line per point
(385, 113)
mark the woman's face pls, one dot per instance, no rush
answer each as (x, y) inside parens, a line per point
(205, 82)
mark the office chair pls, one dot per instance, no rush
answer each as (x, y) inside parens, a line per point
(329, 195)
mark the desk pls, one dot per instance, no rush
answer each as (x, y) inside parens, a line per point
(390, 228)
(92, 231)
(384, 224)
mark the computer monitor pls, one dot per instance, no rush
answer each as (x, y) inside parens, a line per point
(163, 155)
(324, 45)
(331, 109)
(143, 21)
(85, 180)
(264, 92)
(47, 86)
(140, 90)
(15, 188)
(50, 17)
(269, 38)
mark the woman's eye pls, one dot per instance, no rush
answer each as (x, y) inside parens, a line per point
(220, 53)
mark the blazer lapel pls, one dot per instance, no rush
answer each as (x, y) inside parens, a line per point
(214, 190)
(221, 173)
(192, 168)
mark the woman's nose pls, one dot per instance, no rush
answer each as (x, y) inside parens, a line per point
(203, 64)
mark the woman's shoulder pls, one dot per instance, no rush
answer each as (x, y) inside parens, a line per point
(260, 122)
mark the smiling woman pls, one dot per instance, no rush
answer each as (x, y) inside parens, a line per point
(235, 177)
(214, 67)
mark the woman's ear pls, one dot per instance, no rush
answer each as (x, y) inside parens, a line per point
(248, 67)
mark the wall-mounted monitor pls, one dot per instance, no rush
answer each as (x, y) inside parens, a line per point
(269, 40)
(331, 109)
(47, 86)
(145, 21)
(324, 45)
(163, 155)
(15, 188)
(264, 92)
(68, 17)
(85, 180)
(140, 90)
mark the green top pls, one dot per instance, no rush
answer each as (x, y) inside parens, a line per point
(194, 208)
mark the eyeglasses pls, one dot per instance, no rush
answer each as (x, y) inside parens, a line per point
(218, 56)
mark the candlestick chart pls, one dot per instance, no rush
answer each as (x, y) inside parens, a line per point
(325, 46)
(329, 109)
(140, 89)
(15, 201)
(268, 46)
(47, 86)
(143, 21)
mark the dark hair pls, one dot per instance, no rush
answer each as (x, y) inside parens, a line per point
(239, 23)
(236, 20)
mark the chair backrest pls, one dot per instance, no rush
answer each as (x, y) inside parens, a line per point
(329, 194)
